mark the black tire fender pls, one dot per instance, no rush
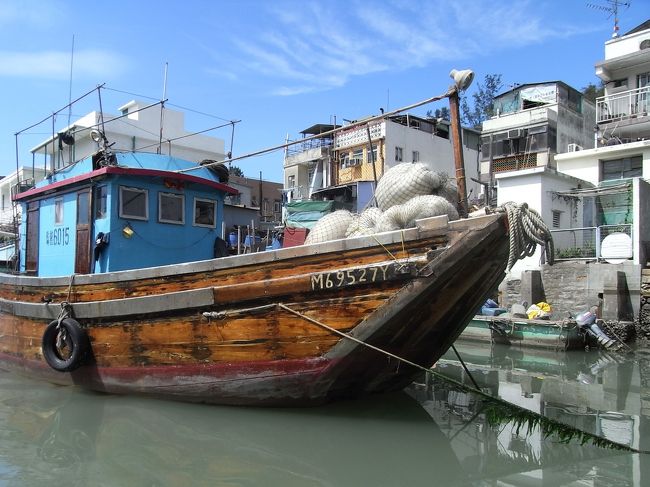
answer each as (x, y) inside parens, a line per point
(76, 343)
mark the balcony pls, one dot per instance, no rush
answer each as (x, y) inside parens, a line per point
(623, 106)
(308, 145)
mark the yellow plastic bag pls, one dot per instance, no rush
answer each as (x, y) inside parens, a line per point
(539, 310)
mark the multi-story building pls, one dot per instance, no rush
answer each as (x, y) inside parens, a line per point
(623, 113)
(603, 223)
(533, 122)
(620, 163)
(346, 167)
(307, 165)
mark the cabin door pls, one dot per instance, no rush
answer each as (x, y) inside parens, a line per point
(31, 253)
(82, 252)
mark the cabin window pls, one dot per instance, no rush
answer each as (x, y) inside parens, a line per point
(416, 156)
(134, 203)
(101, 193)
(58, 211)
(277, 206)
(171, 208)
(205, 213)
(399, 154)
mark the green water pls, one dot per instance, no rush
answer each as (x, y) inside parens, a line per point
(432, 434)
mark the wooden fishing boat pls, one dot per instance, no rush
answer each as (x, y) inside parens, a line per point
(261, 328)
(124, 287)
(526, 333)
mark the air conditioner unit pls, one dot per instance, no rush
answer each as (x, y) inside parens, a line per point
(574, 147)
(515, 133)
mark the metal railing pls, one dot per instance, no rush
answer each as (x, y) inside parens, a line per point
(585, 243)
(623, 105)
(308, 145)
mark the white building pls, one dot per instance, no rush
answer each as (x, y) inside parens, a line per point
(605, 192)
(622, 154)
(136, 129)
(344, 168)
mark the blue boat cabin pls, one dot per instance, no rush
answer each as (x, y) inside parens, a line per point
(135, 210)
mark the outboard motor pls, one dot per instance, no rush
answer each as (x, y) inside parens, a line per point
(587, 322)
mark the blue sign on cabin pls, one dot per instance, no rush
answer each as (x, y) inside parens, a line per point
(138, 212)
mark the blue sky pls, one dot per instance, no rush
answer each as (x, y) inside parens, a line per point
(281, 66)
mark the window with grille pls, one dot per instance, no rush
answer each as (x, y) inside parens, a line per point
(557, 215)
(626, 167)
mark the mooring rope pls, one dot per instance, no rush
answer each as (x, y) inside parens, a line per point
(527, 230)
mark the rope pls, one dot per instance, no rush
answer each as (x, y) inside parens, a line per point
(356, 340)
(527, 230)
(69, 289)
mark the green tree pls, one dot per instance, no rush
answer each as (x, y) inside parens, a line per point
(592, 91)
(439, 113)
(482, 105)
(236, 171)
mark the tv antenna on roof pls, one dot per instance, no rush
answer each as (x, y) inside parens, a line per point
(611, 7)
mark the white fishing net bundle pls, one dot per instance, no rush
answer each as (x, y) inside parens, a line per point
(405, 181)
(424, 206)
(330, 227)
(406, 192)
(365, 223)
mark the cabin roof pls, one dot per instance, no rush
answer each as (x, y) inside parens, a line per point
(126, 171)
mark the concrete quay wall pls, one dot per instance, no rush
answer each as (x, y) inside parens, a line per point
(575, 286)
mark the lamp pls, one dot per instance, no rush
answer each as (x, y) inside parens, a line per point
(96, 135)
(462, 78)
(127, 231)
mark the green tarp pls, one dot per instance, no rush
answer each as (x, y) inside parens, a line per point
(304, 214)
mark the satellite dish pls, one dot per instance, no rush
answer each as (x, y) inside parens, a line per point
(616, 248)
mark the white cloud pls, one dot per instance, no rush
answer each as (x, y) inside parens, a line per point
(322, 46)
(91, 63)
(36, 12)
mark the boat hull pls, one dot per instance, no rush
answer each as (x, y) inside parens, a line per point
(297, 326)
(525, 333)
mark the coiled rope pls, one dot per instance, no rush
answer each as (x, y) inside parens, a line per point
(527, 230)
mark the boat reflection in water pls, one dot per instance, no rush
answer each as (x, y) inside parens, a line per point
(599, 393)
(65, 436)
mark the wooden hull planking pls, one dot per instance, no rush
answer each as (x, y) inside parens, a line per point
(237, 330)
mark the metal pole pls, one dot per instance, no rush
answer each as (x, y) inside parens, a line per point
(162, 109)
(372, 161)
(456, 137)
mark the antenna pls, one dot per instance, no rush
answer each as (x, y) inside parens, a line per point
(612, 8)
(162, 110)
(70, 87)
